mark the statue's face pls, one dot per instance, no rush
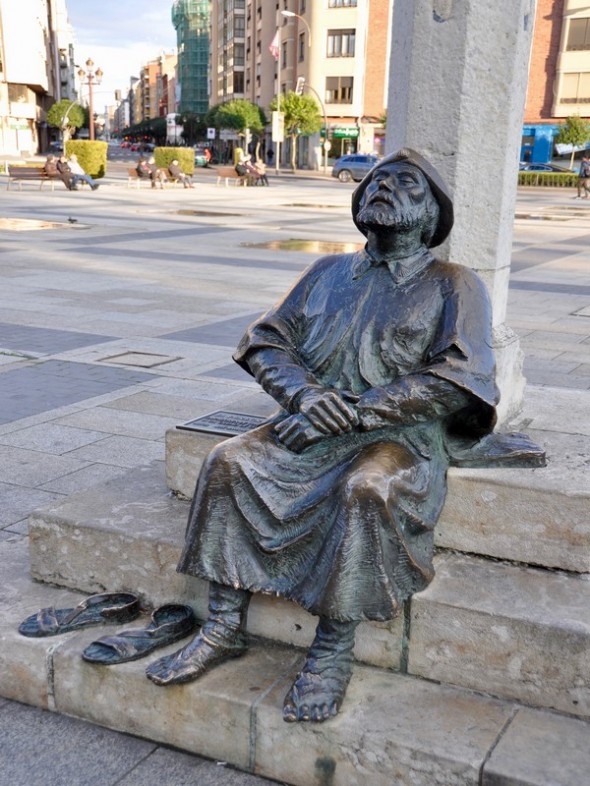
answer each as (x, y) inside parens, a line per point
(396, 197)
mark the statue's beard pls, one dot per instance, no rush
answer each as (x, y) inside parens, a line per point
(380, 215)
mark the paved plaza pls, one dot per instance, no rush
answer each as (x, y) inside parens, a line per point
(118, 321)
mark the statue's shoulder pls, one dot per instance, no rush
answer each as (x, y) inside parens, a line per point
(332, 263)
(458, 276)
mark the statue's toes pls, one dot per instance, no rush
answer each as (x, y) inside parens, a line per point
(289, 712)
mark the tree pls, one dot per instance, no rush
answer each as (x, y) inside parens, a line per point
(575, 132)
(66, 115)
(239, 115)
(302, 116)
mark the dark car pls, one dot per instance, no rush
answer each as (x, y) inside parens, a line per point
(56, 147)
(353, 167)
(527, 166)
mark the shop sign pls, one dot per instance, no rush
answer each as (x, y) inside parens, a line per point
(345, 132)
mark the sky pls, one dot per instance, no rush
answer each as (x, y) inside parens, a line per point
(119, 36)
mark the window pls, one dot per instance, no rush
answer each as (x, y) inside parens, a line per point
(301, 6)
(341, 43)
(239, 26)
(341, 3)
(238, 81)
(284, 55)
(578, 35)
(339, 89)
(301, 47)
(575, 88)
(239, 54)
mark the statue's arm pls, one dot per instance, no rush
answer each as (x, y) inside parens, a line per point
(413, 399)
(316, 412)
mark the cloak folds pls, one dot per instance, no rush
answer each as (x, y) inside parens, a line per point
(345, 528)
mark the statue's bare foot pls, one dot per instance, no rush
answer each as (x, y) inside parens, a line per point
(190, 662)
(317, 693)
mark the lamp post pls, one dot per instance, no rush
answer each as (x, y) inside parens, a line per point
(91, 76)
(293, 15)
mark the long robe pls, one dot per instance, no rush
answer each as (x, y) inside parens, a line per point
(345, 528)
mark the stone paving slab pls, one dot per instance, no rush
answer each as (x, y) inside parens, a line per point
(54, 750)
(45, 341)
(51, 384)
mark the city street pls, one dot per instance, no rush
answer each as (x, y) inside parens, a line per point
(120, 309)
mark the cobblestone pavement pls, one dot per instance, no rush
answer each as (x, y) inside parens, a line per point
(119, 323)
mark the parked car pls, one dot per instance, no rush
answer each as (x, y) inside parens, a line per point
(55, 147)
(527, 166)
(353, 167)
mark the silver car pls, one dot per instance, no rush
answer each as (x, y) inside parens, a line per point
(354, 166)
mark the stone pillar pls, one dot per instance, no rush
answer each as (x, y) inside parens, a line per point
(458, 79)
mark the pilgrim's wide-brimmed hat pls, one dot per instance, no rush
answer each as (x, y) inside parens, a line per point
(436, 183)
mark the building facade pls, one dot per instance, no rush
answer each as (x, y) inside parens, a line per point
(191, 22)
(559, 74)
(337, 49)
(36, 69)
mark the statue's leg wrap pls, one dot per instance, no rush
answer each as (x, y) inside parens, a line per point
(223, 636)
(319, 688)
(226, 624)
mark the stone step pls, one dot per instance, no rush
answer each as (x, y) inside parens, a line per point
(393, 728)
(520, 633)
(533, 516)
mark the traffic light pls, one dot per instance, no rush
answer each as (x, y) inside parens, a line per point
(300, 85)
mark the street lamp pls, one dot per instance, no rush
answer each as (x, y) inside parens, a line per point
(293, 15)
(326, 144)
(91, 76)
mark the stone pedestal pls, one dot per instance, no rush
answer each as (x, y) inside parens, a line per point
(457, 90)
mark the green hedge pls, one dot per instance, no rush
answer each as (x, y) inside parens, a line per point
(92, 156)
(184, 155)
(559, 179)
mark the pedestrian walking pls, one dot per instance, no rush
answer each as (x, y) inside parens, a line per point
(584, 177)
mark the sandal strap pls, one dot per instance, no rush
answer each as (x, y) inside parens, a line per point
(122, 645)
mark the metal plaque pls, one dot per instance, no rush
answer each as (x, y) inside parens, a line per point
(222, 422)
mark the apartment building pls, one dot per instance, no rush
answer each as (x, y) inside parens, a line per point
(338, 48)
(559, 74)
(36, 69)
(155, 90)
(191, 22)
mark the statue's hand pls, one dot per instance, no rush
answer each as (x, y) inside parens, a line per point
(328, 412)
(297, 433)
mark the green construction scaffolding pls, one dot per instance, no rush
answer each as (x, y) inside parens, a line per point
(191, 22)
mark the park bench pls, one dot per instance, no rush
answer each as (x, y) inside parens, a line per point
(17, 173)
(134, 179)
(228, 173)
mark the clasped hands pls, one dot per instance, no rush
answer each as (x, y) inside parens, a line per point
(322, 414)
